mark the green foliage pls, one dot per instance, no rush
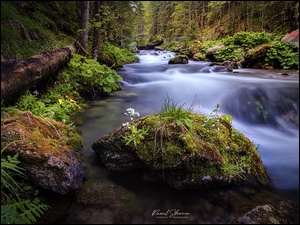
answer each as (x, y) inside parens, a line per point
(192, 32)
(227, 118)
(135, 135)
(87, 75)
(248, 40)
(22, 212)
(9, 169)
(27, 34)
(173, 46)
(230, 52)
(52, 105)
(114, 56)
(239, 43)
(283, 55)
(141, 42)
(14, 209)
(172, 111)
(209, 44)
(156, 38)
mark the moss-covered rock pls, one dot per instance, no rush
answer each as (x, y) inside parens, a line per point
(192, 151)
(47, 149)
(179, 59)
(255, 57)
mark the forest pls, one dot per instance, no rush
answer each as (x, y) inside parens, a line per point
(127, 23)
(56, 56)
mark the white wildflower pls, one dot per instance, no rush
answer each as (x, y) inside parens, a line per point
(207, 178)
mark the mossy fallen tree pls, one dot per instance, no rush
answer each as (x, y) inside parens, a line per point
(19, 75)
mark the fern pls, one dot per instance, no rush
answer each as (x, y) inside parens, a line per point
(25, 211)
(10, 215)
(14, 209)
(30, 210)
(9, 169)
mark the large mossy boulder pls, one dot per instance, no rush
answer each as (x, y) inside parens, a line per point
(48, 150)
(179, 59)
(255, 57)
(185, 151)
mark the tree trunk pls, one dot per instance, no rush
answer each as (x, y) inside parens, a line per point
(96, 37)
(84, 38)
(19, 75)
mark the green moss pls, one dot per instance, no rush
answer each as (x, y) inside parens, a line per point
(38, 134)
(222, 150)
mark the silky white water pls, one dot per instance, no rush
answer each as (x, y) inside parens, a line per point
(264, 105)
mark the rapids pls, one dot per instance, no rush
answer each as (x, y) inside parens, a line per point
(264, 105)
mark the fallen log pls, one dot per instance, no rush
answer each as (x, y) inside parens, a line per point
(19, 75)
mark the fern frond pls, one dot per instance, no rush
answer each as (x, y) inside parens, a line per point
(10, 215)
(31, 210)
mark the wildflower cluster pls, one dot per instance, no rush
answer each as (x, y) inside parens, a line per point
(135, 135)
(131, 114)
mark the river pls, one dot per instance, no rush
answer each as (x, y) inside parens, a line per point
(264, 105)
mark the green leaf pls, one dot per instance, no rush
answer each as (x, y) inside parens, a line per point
(27, 188)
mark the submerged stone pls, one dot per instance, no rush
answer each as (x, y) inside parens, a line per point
(189, 152)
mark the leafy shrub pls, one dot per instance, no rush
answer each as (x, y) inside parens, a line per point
(173, 45)
(230, 52)
(283, 55)
(83, 77)
(52, 105)
(90, 77)
(114, 56)
(248, 40)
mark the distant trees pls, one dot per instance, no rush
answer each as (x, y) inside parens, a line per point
(106, 21)
(217, 19)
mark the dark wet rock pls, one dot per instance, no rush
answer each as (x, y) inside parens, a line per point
(194, 152)
(179, 59)
(158, 48)
(217, 68)
(230, 65)
(283, 212)
(102, 202)
(46, 148)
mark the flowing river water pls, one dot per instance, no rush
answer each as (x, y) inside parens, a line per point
(264, 105)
